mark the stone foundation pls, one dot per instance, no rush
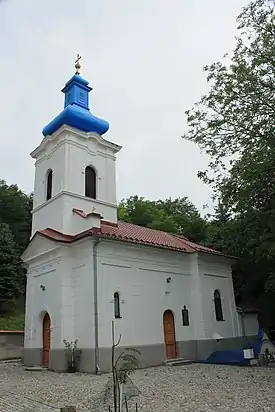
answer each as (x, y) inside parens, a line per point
(152, 355)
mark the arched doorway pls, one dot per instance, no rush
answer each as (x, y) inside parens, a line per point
(46, 339)
(169, 334)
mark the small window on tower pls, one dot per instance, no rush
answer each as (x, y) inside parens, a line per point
(49, 182)
(90, 182)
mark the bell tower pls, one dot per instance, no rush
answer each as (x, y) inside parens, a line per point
(75, 173)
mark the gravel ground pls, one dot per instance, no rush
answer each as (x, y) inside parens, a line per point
(190, 388)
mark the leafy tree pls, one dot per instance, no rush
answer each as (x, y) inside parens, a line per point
(186, 217)
(144, 212)
(234, 124)
(11, 274)
(15, 210)
(15, 227)
(220, 230)
(235, 119)
(175, 216)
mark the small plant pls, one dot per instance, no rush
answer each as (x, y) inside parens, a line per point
(122, 367)
(119, 388)
(71, 350)
(267, 357)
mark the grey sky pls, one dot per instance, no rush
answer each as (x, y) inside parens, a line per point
(143, 58)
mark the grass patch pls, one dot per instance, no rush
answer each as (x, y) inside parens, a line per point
(15, 321)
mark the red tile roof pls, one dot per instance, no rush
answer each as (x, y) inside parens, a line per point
(80, 213)
(140, 234)
(55, 235)
(128, 232)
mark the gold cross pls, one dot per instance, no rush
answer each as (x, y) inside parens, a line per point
(77, 64)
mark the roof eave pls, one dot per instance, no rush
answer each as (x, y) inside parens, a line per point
(216, 253)
(136, 242)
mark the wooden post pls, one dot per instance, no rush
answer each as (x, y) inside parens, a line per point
(68, 409)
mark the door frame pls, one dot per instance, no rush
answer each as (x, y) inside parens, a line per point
(46, 335)
(174, 334)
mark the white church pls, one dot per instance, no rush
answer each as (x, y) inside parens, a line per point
(169, 298)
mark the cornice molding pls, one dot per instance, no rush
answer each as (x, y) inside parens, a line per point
(70, 131)
(76, 195)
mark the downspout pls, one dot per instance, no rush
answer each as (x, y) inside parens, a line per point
(95, 245)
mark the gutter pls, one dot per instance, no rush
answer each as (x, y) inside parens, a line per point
(95, 245)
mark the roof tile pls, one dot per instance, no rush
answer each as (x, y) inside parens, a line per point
(140, 234)
(135, 234)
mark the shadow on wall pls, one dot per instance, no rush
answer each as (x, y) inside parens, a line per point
(11, 344)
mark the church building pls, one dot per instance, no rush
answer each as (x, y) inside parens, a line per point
(169, 298)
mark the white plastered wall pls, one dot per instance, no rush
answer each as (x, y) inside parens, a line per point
(79, 257)
(215, 273)
(67, 153)
(139, 274)
(59, 282)
(44, 294)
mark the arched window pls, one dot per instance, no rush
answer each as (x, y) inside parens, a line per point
(185, 316)
(218, 305)
(117, 305)
(90, 182)
(49, 182)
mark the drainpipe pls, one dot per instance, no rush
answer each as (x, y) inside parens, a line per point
(95, 245)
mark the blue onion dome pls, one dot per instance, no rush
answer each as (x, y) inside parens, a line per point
(76, 111)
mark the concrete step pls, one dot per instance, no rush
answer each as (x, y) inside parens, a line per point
(15, 360)
(35, 368)
(177, 362)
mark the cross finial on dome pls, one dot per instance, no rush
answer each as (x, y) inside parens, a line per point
(76, 111)
(77, 64)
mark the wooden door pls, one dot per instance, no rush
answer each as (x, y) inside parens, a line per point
(46, 339)
(169, 334)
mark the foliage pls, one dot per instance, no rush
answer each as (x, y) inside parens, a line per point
(122, 367)
(235, 119)
(267, 358)
(176, 216)
(119, 389)
(16, 321)
(234, 124)
(11, 273)
(72, 354)
(15, 227)
(126, 364)
(15, 210)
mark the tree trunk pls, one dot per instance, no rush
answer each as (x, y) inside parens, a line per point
(113, 368)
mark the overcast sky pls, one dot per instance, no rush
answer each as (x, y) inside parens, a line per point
(144, 59)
